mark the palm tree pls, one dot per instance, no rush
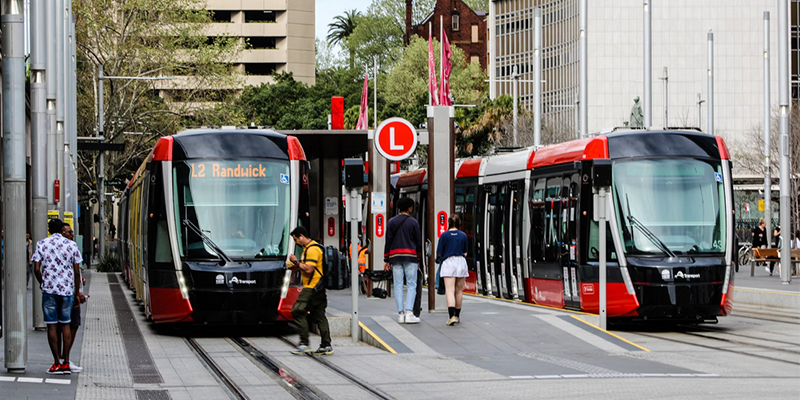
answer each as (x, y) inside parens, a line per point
(342, 27)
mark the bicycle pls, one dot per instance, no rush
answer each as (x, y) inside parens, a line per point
(745, 254)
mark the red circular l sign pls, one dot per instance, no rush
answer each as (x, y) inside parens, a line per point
(395, 139)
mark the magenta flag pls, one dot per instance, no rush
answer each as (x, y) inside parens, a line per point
(445, 99)
(432, 86)
(363, 119)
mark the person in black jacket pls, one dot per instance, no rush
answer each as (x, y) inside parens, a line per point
(401, 255)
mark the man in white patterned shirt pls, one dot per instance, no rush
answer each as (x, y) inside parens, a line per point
(57, 262)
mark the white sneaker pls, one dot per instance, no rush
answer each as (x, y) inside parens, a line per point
(401, 318)
(411, 318)
(767, 269)
(74, 367)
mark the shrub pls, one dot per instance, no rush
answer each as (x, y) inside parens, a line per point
(109, 263)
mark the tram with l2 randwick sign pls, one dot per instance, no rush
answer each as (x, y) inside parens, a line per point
(204, 226)
(529, 216)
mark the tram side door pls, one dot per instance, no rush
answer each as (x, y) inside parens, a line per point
(568, 233)
(494, 212)
(514, 234)
(481, 241)
(554, 246)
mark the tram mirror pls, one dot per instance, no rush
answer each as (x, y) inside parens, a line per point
(353, 172)
(601, 172)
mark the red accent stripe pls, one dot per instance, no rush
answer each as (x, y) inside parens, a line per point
(412, 178)
(402, 252)
(168, 305)
(470, 168)
(295, 149)
(163, 149)
(723, 149)
(576, 150)
(285, 304)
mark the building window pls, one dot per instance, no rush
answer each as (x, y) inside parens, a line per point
(474, 33)
(474, 59)
(265, 16)
(260, 42)
(455, 22)
(220, 16)
(260, 68)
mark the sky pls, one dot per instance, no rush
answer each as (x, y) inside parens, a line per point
(327, 9)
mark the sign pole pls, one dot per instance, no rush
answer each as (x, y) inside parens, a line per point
(440, 184)
(355, 211)
(601, 211)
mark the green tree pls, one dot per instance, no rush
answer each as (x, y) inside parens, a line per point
(408, 80)
(375, 38)
(342, 27)
(141, 38)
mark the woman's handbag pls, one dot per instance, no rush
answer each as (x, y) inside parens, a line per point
(440, 289)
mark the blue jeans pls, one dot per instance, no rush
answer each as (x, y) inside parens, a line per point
(57, 309)
(408, 269)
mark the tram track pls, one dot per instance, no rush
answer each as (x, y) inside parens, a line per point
(293, 383)
(233, 389)
(717, 348)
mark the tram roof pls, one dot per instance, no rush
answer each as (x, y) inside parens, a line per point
(289, 146)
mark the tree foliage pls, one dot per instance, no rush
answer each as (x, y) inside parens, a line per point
(342, 27)
(140, 38)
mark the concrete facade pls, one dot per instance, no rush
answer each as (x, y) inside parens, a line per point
(465, 28)
(279, 36)
(615, 63)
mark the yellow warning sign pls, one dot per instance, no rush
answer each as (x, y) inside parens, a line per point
(68, 219)
(761, 205)
(51, 215)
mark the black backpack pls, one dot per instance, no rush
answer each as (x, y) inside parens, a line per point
(320, 287)
(337, 276)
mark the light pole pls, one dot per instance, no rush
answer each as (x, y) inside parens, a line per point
(101, 189)
(15, 329)
(700, 112)
(584, 90)
(537, 77)
(710, 82)
(783, 129)
(767, 133)
(665, 78)
(648, 69)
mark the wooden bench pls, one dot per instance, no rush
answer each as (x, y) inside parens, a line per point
(771, 255)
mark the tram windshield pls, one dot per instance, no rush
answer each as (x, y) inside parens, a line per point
(242, 206)
(669, 206)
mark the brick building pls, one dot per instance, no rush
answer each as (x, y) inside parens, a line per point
(464, 27)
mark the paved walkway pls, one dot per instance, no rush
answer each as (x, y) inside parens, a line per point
(35, 383)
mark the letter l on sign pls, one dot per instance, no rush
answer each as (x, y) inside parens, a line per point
(392, 145)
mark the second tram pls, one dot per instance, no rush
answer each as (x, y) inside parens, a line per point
(529, 216)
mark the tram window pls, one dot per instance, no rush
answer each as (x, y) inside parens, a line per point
(538, 191)
(594, 243)
(163, 251)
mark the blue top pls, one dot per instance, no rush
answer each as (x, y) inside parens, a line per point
(451, 243)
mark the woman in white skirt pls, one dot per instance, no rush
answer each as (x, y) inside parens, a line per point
(451, 250)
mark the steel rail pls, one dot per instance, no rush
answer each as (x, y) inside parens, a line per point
(234, 389)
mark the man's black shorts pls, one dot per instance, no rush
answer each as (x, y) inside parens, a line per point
(75, 319)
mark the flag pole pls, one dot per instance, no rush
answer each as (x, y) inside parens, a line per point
(441, 57)
(430, 34)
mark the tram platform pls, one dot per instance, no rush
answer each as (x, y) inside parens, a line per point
(501, 349)
(765, 291)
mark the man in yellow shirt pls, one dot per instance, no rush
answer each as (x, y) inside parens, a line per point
(312, 300)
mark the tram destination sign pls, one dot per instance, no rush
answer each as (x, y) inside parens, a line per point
(227, 170)
(395, 139)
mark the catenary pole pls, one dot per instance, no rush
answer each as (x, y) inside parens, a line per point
(515, 98)
(767, 133)
(783, 131)
(60, 101)
(39, 137)
(666, 98)
(583, 106)
(710, 82)
(700, 112)
(66, 184)
(648, 68)
(15, 329)
(101, 188)
(537, 77)
(51, 165)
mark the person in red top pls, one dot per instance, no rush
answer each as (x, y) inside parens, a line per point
(401, 254)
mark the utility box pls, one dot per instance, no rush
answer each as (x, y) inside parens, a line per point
(353, 172)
